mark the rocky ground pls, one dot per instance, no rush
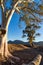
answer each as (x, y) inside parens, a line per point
(24, 53)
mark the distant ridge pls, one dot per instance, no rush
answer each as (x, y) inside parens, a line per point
(25, 43)
(17, 42)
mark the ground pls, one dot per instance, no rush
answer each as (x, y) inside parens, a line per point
(26, 54)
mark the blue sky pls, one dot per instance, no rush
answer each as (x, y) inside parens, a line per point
(15, 33)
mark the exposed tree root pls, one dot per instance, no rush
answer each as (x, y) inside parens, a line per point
(13, 57)
(4, 52)
(11, 61)
(9, 56)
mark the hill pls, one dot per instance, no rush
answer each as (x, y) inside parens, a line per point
(40, 43)
(24, 53)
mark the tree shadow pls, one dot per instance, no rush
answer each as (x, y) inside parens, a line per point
(25, 55)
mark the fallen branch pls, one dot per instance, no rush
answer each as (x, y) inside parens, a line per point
(36, 61)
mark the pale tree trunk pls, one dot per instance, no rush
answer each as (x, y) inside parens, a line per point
(3, 45)
(5, 23)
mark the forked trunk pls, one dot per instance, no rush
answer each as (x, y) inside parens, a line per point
(5, 23)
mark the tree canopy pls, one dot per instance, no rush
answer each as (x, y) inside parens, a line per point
(33, 16)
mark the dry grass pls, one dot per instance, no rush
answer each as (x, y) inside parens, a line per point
(16, 47)
(26, 54)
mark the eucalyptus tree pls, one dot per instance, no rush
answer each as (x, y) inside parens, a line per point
(33, 16)
(7, 13)
(31, 32)
(22, 7)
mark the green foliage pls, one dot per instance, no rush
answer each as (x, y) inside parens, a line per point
(41, 7)
(32, 13)
(30, 30)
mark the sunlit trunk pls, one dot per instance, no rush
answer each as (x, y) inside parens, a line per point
(31, 42)
(5, 23)
(3, 45)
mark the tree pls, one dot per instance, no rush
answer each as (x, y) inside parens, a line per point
(32, 15)
(7, 14)
(30, 32)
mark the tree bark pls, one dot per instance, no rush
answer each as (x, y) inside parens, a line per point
(5, 24)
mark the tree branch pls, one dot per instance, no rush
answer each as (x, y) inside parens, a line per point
(2, 4)
(11, 13)
(13, 10)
